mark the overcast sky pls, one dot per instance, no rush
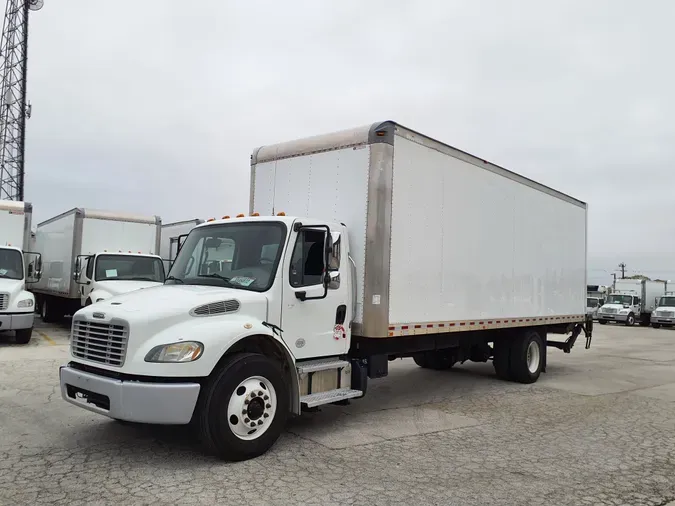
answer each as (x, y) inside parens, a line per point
(154, 107)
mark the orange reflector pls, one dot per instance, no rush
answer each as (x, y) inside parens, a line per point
(211, 219)
(255, 214)
(226, 217)
(240, 215)
(281, 214)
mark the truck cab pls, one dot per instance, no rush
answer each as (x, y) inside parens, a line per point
(664, 314)
(592, 305)
(16, 304)
(106, 274)
(620, 307)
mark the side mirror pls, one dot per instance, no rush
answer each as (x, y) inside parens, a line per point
(333, 280)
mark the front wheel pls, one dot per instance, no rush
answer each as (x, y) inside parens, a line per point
(656, 325)
(602, 322)
(630, 320)
(22, 336)
(243, 408)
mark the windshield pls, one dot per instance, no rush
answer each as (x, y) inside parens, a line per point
(238, 255)
(626, 300)
(591, 302)
(11, 264)
(129, 268)
(667, 301)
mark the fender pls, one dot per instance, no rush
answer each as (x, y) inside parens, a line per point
(97, 295)
(219, 336)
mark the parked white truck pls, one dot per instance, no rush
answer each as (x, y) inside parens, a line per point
(89, 256)
(361, 247)
(18, 266)
(631, 300)
(664, 313)
(173, 235)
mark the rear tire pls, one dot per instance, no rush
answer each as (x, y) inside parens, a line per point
(236, 383)
(501, 360)
(527, 357)
(22, 336)
(46, 313)
(437, 360)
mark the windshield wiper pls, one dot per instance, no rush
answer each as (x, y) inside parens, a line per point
(214, 275)
(145, 279)
(174, 278)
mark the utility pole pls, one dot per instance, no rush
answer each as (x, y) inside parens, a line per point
(622, 266)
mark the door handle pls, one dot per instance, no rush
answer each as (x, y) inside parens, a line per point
(341, 314)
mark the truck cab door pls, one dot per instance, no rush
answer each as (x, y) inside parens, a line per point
(315, 315)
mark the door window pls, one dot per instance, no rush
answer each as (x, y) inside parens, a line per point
(307, 262)
(90, 268)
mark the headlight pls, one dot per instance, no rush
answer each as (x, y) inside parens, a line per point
(25, 303)
(624, 311)
(100, 299)
(187, 351)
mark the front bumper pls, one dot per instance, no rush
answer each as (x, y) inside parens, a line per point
(662, 320)
(133, 401)
(16, 321)
(612, 317)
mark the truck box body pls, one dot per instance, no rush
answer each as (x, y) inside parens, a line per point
(171, 232)
(15, 223)
(442, 241)
(63, 238)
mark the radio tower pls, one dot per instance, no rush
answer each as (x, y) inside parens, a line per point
(13, 107)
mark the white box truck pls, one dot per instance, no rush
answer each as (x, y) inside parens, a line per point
(664, 312)
(89, 256)
(360, 247)
(631, 300)
(18, 266)
(173, 235)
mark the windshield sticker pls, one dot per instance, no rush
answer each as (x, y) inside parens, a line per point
(111, 273)
(242, 280)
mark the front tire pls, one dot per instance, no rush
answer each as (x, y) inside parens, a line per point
(602, 322)
(243, 408)
(22, 336)
(656, 325)
(630, 320)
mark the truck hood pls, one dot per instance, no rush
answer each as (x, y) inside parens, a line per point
(660, 308)
(120, 286)
(161, 306)
(11, 286)
(618, 307)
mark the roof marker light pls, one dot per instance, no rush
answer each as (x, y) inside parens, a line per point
(281, 214)
(240, 215)
(226, 217)
(255, 214)
(211, 219)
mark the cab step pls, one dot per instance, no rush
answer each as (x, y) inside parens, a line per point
(331, 396)
(321, 364)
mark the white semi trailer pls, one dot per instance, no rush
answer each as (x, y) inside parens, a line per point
(360, 247)
(18, 266)
(89, 256)
(173, 235)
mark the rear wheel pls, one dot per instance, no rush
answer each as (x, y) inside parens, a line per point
(46, 311)
(501, 360)
(437, 360)
(22, 336)
(243, 408)
(527, 357)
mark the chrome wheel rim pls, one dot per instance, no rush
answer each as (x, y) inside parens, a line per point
(252, 407)
(533, 357)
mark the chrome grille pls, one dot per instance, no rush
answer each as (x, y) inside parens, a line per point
(4, 301)
(609, 310)
(105, 343)
(666, 314)
(216, 308)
